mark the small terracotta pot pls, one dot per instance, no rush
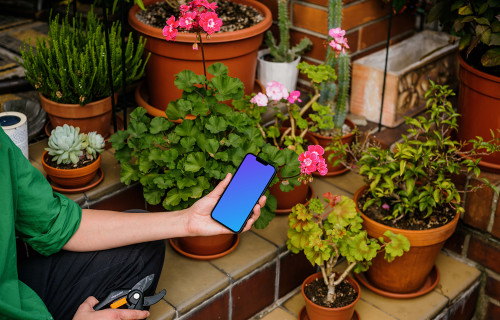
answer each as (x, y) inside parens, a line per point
(94, 116)
(317, 312)
(71, 178)
(206, 245)
(479, 107)
(408, 273)
(326, 141)
(236, 49)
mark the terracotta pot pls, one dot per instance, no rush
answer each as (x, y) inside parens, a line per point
(206, 245)
(479, 106)
(286, 200)
(95, 116)
(237, 50)
(71, 178)
(317, 312)
(326, 141)
(409, 272)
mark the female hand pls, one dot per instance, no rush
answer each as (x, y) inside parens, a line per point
(86, 312)
(199, 221)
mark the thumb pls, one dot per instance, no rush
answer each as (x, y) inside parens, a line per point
(91, 301)
(219, 189)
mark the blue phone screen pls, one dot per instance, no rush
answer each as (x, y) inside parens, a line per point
(247, 185)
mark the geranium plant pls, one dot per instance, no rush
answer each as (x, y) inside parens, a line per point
(414, 180)
(327, 230)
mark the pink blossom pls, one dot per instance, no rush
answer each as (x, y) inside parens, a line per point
(170, 30)
(339, 42)
(336, 33)
(260, 99)
(316, 149)
(322, 167)
(183, 8)
(210, 22)
(294, 96)
(276, 91)
(188, 20)
(385, 206)
(208, 5)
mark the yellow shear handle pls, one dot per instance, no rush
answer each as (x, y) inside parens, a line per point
(118, 303)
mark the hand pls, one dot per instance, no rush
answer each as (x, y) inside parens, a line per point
(86, 311)
(199, 221)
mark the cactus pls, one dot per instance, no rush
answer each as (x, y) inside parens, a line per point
(282, 52)
(67, 145)
(95, 144)
(335, 95)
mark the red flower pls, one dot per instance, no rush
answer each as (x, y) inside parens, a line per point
(188, 20)
(170, 30)
(210, 22)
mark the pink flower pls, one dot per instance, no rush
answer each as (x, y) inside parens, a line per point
(260, 99)
(276, 91)
(339, 42)
(210, 22)
(336, 33)
(316, 149)
(294, 96)
(183, 8)
(322, 168)
(188, 20)
(385, 206)
(208, 5)
(170, 30)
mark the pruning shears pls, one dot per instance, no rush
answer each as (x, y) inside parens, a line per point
(131, 298)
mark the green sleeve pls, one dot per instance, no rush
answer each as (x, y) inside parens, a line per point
(44, 219)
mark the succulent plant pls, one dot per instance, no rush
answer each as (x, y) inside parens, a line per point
(94, 145)
(67, 145)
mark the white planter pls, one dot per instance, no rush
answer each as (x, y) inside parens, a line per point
(412, 62)
(283, 72)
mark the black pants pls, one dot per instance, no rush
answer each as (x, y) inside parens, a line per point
(64, 280)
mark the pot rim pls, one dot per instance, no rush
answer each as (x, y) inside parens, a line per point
(347, 122)
(475, 71)
(259, 28)
(317, 275)
(89, 168)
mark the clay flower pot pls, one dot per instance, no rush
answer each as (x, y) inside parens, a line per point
(317, 312)
(325, 141)
(206, 245)
(479, 107)
(408, 273)
(236, 49)
(71, 178)
(94, 116)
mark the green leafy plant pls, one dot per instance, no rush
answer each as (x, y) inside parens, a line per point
(67, 145)
(179, 163)
(282, 52)
(477, 23)
(327, 230)
(70, 65)
(416, 177)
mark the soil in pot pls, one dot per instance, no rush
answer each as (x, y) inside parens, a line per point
(411, 221)
(80, 164)
(316, 291)
(234, 16)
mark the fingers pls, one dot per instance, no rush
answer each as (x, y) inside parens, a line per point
(219, 189)
(256, 213)
(126, 314)
(91, 301)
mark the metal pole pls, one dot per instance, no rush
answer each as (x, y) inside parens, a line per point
(124, 82)
(385, 67)
(108, 56)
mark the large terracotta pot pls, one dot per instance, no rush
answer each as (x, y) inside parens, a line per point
(95, 116)
(479, 107)
(206, 245)
(325, 141)
(317, 312)
(408, 273)
(71, 178)
(236, 49)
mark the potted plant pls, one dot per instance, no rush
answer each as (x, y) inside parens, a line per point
(70, 70)
(478, 26)
(236, 49)
(279, 61)
(411, 190)
(72, 159)
(325, 231)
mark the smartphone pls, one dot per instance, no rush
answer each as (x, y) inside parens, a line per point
(248, 184)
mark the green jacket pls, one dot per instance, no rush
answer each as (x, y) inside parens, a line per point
(43, 219)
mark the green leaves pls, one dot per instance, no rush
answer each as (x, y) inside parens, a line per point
(194, 162)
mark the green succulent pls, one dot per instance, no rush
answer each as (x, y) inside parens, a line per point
(94, 144)
(66, 144)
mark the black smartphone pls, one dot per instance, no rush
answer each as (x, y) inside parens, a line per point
(248, 184)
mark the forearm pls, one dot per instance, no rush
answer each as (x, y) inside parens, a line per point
(102, 229)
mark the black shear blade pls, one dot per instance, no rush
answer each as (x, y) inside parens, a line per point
(144, 284)
(149, 301)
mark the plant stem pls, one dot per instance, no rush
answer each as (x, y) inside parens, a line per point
(203, 58)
